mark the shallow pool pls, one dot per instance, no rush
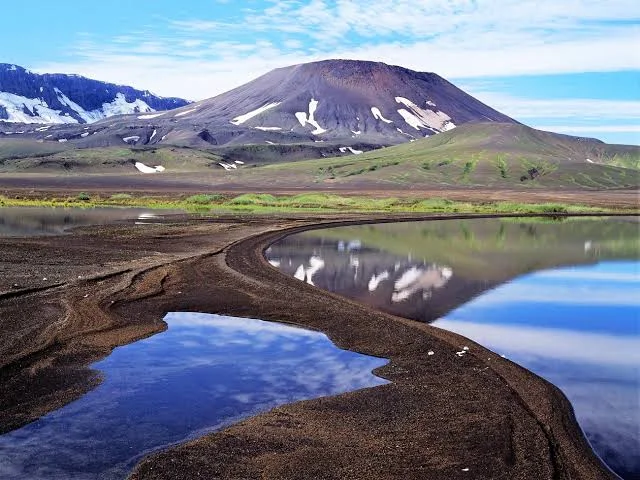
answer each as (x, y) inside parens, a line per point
(204, 372)
(37, 221)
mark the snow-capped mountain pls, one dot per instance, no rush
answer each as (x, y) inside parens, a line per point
(334, 107)
(26, 97)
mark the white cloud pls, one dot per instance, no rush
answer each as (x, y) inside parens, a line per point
(582, 129)
(199, 58)
(585, 108)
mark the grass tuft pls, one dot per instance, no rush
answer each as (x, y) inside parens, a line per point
(121, 196)
(307, 202)
(253, 199)
(204, 199)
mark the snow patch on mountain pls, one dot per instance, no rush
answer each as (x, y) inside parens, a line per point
(310, 119)
(64, 100)
(424, 118)
(30, 110)
(36, 110)
(187, 112)
(131, 139)
(149, 117)
(411, 119)
(268, 129)
(403, 133)
(230, 166)
(354, 151)
(146, 169)
(120, 106)
(378, 115)
(239, 120)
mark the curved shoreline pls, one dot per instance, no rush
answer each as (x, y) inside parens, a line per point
(563, 403)
(564, 436)
(505, 422)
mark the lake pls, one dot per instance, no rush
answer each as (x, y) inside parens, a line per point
(203, 373)
(560, 298)
(38, 221)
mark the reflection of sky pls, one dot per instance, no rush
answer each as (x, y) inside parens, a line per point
(579, 328)
(204, 372)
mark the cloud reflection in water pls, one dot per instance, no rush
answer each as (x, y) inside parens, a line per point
(580, 329)
(204, 372)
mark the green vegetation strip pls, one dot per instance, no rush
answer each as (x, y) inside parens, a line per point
(310, 202)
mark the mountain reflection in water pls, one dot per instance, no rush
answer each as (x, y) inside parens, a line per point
(423, 270)
(577, 327)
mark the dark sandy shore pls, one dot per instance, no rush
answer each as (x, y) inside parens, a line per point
(441, 415)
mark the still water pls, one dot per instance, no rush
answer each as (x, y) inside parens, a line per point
(560, 298)
(204, 372)
(36, 221)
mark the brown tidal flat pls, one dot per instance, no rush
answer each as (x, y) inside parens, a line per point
(441, 417)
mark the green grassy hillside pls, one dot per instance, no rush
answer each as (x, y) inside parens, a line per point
(500, 155)
(25, 158)
(13, 148)
(473, 155)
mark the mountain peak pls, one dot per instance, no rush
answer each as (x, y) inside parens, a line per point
(348, 99)
(27, 97)
(348, 105)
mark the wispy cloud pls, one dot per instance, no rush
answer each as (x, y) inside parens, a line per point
(590, 129)
(586, 108)
(460, 39)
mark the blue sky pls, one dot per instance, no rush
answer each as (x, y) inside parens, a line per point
(570, 66)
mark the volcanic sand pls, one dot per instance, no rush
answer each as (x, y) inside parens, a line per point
(441, 417)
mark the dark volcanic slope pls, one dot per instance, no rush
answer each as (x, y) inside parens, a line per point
(346, 99)
(352, 103)
(26, 97)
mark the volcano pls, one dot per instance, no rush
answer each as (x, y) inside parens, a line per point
(357, 105)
